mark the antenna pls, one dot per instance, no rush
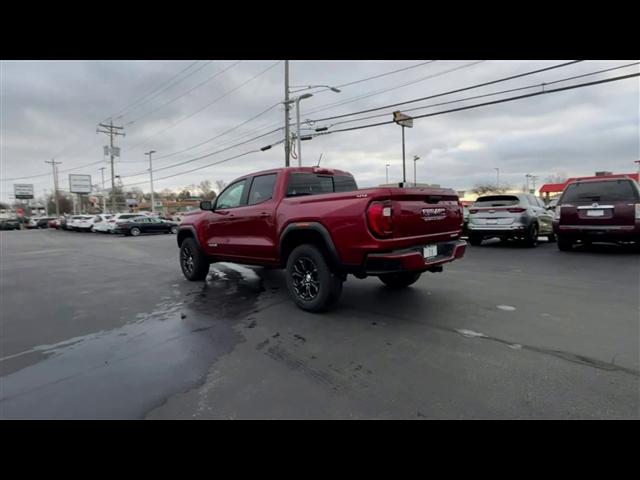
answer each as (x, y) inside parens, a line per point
(319, 160)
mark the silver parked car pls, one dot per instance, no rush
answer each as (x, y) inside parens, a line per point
(520, 216)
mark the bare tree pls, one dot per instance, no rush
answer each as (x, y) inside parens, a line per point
(220, 185)
(489, 188)
(559, 177)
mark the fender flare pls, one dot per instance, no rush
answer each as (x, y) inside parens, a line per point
(192, 229)
(317, 227)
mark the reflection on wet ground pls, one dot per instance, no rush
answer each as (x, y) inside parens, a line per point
(124, 372)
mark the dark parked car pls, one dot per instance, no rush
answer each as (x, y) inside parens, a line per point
(143, 224)
(605, 210)
(9, 224)
(43, 222)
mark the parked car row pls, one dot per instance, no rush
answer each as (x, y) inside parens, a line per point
(600, 210)
(121, 223)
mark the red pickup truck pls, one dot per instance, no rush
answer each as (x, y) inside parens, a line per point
(317, 224)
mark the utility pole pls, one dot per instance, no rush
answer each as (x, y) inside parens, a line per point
(415, 159)
(112, 131)
(153, 205)
(533, 180)
(497, 177)
(104, 197)
(387, 167)
(287, 145)
(404, 170)
(55, 183)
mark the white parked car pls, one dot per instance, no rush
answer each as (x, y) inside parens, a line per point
(81, 223)
(101, 222)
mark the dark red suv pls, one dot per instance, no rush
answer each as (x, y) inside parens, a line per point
(595, 210)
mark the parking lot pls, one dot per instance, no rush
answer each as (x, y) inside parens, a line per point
(102, 326)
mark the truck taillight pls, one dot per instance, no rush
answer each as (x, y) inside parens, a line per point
(380, 217)
(637, 211)
(556, 213)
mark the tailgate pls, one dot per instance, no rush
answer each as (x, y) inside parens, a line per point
(593, 214)
(418, 212)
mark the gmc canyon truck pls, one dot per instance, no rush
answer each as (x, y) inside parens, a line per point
(315, 223)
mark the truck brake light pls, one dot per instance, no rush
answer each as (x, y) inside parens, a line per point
(380, 217)
(637, 211)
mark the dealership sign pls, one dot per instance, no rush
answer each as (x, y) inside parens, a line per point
(23, 190)
(79, 183)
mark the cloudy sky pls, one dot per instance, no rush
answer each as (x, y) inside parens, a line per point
(186, 110)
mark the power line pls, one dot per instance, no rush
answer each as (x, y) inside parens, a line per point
(542, 84)
(130, 106)
(48, 174)
(136, 145)
(221, 134)
(494, 102)
(217, 74)
(372, 78)
(210, 164)
(203, 156)
(160, 89)
(384, 90)
(470, 87)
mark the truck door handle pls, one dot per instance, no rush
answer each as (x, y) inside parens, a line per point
(264, 214)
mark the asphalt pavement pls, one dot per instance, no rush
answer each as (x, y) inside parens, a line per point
(101, 326)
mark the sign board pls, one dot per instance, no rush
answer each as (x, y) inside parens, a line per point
(23, 190)
(79, 183)
(402, 119)
(132, 202)
(108, 151)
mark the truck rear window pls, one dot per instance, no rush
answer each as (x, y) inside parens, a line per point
(496, 201)
(315, 184)
(609, 191)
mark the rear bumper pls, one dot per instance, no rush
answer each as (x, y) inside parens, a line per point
(412, 259)
(498, 230)
(602, 233)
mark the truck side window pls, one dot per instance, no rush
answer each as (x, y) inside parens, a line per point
(232, 196)
(261, 188)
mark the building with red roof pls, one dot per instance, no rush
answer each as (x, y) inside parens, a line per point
(551, 189)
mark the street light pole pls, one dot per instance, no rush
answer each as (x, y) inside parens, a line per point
(497, 177)
(153, 203)
(104, 197)
(301, 97)
(287, 145)
(415, 159)
(387, 166)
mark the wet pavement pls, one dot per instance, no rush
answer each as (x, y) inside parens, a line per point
(95, 326)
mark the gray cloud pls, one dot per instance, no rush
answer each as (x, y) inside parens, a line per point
(52, 106)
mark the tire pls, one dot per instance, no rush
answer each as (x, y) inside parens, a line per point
(311, 283)
(531, 240)
(475, 240)
(193, 262)
(564, 244)
(174, 229)
(135, 231)
(551, 237)
(400, 280)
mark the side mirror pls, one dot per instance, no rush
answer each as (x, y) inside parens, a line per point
(206, 205)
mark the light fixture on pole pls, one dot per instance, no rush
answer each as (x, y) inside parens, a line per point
(387, 166)
(153, 203)
(307, 87)
(415, 159)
